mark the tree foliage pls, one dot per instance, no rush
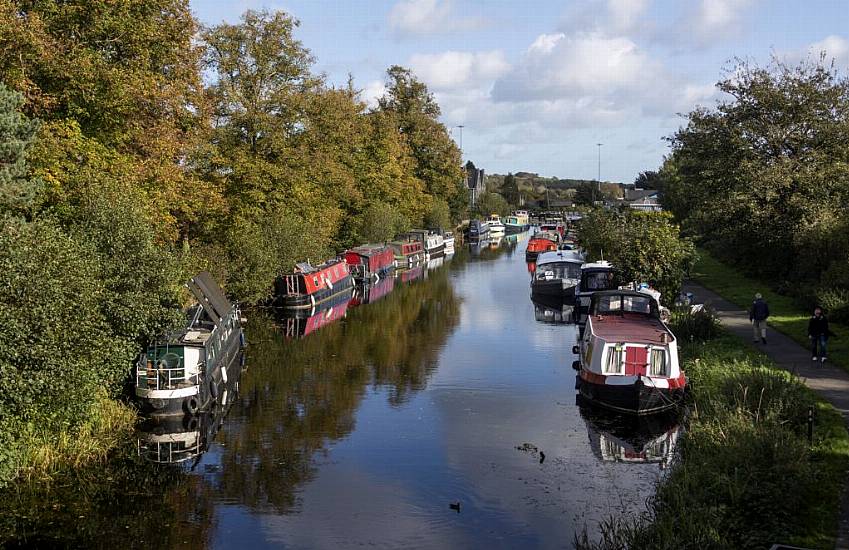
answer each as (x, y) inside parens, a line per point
(642, 246)
(18, 192)
(763, 179)
(510, 190)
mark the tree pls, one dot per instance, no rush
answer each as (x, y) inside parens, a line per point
(649, 180)
(17, 190)
(642, 246)
(492, 203)
(438, 216)
(510, 190)
(587, 194)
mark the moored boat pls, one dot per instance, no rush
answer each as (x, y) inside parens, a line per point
(541, 242)
(478, 230)
(433, 243)
(628, 358)
(448, 238)
(309, 285)
(408, 253)
(370, 262)
(595, 276)
(182, 372)
(557, 273)
(555, 227)
(517, 222)
(496, 227)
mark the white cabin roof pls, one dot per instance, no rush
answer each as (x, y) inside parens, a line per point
(560, 256)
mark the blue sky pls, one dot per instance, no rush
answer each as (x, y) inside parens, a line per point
(536, 84)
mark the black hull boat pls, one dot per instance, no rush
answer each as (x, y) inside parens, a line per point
(308, 286)
(637, 398)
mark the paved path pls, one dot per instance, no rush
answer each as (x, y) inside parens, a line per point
(830, 381)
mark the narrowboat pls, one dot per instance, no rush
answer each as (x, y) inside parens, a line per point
(433, 243)
(408, 253)
(181, 373)
(496, 227)
(309, 285)
(541, 242)
(448, 239)
(179, 438)
(298, 323)
(554, 227)
(557, 273)
(370, 262)
(595, 276)
(478, 230)
(371, 292)
(517, 222)
(628, 357)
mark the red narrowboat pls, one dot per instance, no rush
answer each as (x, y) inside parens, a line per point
(309, 285)
(370, 262)
(543, 241)
(408, 253)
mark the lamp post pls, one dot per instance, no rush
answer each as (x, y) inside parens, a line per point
(460, 126)
(599, 168)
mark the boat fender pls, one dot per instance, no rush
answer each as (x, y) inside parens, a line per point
(576, 365)
(213, 390)
(192, 424)
(576, 350)
(191, 405)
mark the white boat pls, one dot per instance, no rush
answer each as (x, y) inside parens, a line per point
(517, 222)
(628, 357)
(448, 239)
(496, 227)
(557, 273)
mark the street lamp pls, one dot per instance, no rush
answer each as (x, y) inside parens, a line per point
(599, 165)
(460, 126)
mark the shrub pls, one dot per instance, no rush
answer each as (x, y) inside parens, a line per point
(694, 325)
(835, 302)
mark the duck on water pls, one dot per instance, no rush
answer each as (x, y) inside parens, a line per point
(182, 372)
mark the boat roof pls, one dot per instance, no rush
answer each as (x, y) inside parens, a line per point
(209, 295)
(571, 256)
(551, 236)
(368, 249)
(630, 327)
(600, 265)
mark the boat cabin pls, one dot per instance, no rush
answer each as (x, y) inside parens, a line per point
(370, 261)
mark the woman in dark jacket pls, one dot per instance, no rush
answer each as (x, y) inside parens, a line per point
(818, 332)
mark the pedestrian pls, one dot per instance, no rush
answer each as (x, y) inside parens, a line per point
(818, 332)
(758, 316)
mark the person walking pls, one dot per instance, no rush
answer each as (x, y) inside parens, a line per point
(818, 332)
(758, 316)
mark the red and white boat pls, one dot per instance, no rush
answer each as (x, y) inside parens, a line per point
(370, 262)
(309, 285)
(628, 356)
(408, 253)
(542, 241)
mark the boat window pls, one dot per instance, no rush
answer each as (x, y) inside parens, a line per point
(628, 304)
(657, 367)
(563, 270)
(598, 280)
(613, 363)
(315, 280)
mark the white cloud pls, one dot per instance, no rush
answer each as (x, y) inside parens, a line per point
(834, 47)
(373, 91)
(451, 70)
(429, 17)
(707, 23)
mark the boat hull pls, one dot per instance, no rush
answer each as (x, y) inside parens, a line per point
(636, 398)
(559, 288)
(308, 301)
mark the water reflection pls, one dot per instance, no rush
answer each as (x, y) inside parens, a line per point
(553, 310)
(631, 439)
(297, 323)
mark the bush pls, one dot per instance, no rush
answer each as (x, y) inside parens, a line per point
(835, 303)
(694, 325)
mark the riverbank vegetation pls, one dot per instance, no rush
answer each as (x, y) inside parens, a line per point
(642, 246)
(762, 179)
(137, 148)
(746, 475)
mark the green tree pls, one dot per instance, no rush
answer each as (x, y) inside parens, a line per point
(17, 190)
(649, 180)
(492, 203)
(438, 216)
(587, 194)
(510, 190)
(642, 246)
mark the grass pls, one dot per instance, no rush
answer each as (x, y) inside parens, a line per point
(786, 316)
(108, 426)
(746, 476)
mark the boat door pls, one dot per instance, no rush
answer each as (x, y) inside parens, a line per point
(636, 358)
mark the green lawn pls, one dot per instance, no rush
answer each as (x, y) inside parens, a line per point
(785, 315)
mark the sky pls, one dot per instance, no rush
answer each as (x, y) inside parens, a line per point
(537, 84)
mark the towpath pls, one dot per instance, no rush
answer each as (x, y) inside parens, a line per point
(830, 381)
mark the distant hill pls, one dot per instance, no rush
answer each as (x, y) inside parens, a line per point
(534, 187)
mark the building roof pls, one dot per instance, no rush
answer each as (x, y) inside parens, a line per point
(637, 194)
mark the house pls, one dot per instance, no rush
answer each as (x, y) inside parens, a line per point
(647, 200)
(474, 182)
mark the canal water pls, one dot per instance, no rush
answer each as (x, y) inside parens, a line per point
(442, 414)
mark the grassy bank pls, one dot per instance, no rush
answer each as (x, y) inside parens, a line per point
(747, 476)
(785, 314)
